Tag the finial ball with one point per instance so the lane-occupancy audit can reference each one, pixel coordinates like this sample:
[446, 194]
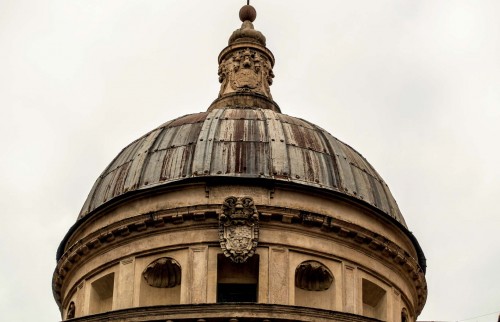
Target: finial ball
[247, 12]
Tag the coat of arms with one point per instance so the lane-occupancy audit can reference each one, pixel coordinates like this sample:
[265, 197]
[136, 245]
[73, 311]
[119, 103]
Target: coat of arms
[246, 71]
[238, 228]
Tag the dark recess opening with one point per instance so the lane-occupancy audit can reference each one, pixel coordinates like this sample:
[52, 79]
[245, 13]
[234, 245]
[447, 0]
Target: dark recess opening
[236, 293]
[237, 282]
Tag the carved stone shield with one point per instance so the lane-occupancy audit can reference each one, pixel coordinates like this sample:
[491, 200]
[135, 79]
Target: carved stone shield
[246, 80]
[247, 71]
[238, 228]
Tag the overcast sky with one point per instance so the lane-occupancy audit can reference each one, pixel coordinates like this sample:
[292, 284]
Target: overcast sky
[412, 85]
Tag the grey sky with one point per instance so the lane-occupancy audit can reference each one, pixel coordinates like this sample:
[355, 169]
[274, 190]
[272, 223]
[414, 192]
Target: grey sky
[412, 85]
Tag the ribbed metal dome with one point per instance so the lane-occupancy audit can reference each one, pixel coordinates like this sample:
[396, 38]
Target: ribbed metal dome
[167, 199]
[244, 143]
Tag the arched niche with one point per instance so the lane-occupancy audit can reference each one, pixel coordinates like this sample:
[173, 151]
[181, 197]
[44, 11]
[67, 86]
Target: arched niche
[71, 310]
[160, 283]
[314, 285]
[404, 315]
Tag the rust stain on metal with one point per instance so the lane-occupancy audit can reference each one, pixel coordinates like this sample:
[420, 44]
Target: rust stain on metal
[247, 142]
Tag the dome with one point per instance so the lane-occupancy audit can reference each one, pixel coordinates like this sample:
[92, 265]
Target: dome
[247, 142]
[240, 213]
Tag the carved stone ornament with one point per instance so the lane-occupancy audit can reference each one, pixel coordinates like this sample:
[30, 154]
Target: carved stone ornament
[164, 272]
[313, 276]
[246, 70]
[238, 228]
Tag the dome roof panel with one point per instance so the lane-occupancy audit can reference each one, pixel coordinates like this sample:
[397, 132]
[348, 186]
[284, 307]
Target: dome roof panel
[236, 142]
[296, 121]
[252, 130]
[303, 137]
[311, 167]
[240, 159]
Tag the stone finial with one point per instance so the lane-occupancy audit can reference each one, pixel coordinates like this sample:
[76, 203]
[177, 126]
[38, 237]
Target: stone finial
[247, 33]
[246, 67]
[246, 64]
[248, 12]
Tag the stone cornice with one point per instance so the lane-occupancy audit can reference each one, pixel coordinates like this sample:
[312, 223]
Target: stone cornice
[157, 221]
[241, 312]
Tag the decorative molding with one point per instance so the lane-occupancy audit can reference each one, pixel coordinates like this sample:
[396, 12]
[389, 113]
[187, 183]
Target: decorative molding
[127, 261]
[238, 228]
[216, 312]
[144, 224]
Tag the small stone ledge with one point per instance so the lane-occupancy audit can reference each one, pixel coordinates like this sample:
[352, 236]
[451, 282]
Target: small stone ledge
[225, 312]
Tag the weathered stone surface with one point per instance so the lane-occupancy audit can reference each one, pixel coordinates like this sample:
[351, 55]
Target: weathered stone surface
[198, 265]
[278, 275]
[312, 230]
[223, 312]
